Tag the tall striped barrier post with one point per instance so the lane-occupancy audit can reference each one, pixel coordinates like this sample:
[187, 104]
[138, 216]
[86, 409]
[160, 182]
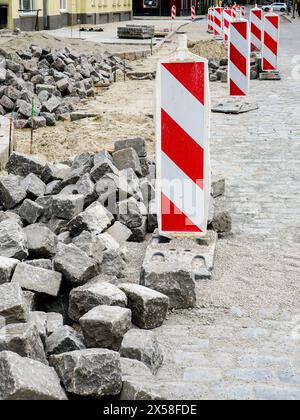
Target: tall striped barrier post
[239, 58]
[182, 138]
[256, 28]
[218, 24]
[227, 18]
[210, 27]
[270, 42]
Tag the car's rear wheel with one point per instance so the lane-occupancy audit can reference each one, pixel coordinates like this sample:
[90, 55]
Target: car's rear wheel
[282, 9]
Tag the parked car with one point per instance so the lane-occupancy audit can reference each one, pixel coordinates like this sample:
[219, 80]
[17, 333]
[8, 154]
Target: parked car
[277, 7]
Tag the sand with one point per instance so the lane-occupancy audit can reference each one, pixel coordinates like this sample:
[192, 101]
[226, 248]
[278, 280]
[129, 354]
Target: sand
[124, 110]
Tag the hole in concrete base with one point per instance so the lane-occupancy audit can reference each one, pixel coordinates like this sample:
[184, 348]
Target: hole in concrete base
[158, 257]
[163, 240]
[198, 263]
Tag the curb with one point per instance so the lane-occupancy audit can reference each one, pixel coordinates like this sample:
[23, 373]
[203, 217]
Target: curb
[287, 18]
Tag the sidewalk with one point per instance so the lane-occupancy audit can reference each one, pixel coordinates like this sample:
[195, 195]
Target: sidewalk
[109, 34]
[242, 342]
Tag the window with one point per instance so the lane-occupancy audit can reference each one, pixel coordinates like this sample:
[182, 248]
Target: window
[27, 6]
[63, 5]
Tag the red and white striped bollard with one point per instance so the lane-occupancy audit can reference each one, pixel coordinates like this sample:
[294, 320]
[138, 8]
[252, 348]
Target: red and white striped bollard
[210, 27]
[182, 134]
[239, 58]
[173, 12]
[270, 42]
[218, 26]
[256, 28]
[227, 18]
[193, 13]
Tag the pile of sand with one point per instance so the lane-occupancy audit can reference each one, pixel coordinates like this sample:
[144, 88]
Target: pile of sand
[208, 49]
[44, 40]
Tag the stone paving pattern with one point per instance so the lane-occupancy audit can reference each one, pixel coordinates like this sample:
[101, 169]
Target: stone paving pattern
[243, 340]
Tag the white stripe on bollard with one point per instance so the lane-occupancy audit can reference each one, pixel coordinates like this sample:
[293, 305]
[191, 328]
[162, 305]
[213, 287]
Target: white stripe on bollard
[182, 133]
[239, 58]
[270, 42]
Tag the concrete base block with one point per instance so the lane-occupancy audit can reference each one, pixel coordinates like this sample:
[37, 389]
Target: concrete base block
[234, 107]
[271, 75]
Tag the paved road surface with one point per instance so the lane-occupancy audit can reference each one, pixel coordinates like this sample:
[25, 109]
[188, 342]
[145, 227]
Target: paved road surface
[243, 340]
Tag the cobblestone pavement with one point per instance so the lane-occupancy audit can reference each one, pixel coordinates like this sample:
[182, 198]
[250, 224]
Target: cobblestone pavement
[243, 339]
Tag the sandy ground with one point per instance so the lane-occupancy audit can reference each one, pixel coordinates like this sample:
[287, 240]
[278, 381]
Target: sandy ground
[124, 110]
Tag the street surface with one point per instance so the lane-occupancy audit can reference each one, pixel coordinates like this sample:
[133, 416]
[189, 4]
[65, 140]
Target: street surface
[243, 340]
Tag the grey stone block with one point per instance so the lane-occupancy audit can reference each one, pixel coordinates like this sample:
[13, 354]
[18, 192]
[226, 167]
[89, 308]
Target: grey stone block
[90, 373]
[140, 389]
[33, 186]
[104, 166]
[51, 105]
[135, 369]
[105, 326]
[24, 340]
[10, 216]
[222, 222]
[173, 280]
[11, 191]
[99, 157]
[91, 244]
[94, 219]
[86, 187]
[30, 299]
[113, 263]
[62, 340]
[7, 267]
[127, 158]
[138, 144]
[41, 263]
[39, 319]
[152, 222]
[139, 233]
[131, 213]
[217, 187]
[75, 265]
[37, 279]
[119, 232]
[67, 206]
[149, 308]
[26, 379]
[85, 298]
[54, 322]
[38, 122]
[30, 211]
[53, 188]
[13, 307]
[23, 165]
[41, 241]
[13, 243]
[143, 346]
[57, 225]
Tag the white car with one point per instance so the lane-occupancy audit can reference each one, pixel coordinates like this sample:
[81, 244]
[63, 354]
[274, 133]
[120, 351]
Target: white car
[277, 7]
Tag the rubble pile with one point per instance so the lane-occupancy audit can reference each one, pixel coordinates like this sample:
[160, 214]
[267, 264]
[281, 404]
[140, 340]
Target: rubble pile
[218, 68]
[71, 323]
[54, 80]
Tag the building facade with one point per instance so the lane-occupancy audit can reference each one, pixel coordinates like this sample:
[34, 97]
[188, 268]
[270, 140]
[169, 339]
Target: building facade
[163, 7]
[29, 15]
